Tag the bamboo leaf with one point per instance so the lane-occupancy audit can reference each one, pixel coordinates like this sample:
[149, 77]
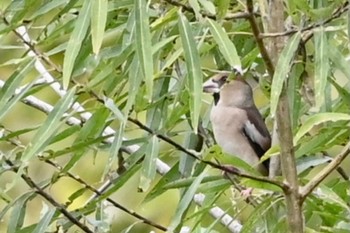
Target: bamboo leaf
[321, 66]
[48, 129]
[226, 47]
[144, 45]
[338, 60]
[148, 171]
[91, 129]
[99, 9]
[318, 119]
[185, 202]
[282, 70]
[8, 91]
[46, 216]
[208, 6]
[18, 212]
[194, 73]
[75, 42]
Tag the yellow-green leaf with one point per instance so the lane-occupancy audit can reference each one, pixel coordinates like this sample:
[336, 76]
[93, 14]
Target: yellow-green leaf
[318, 119]
[99, 9]
[282, 70]
[144, 45]
[194, 73]
[75, 42]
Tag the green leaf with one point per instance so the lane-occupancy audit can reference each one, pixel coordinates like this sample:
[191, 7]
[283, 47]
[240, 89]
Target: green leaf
[225, 158]
[75, 42]
[321, 66]
[149, 168]
[307, 162]
[338, 59]
[115, 147]
[328, 195]
[45, 8]
[99, 9]
[18, 212]
[344, 92]
[46, 216]
[144, 45]
[48, 129]
[8, 91]
[91, 129]
[226, 47]
[208, 6]
[185, 202]
[282, 70]
[318, 119]
[171, 176]
[194, 73]
[223, 6]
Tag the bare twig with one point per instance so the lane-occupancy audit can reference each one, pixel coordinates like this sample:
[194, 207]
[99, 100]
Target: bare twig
[336, 14]
[50, 199]
[315, 181]
[98, 193]
[238, 15]
[256, 32]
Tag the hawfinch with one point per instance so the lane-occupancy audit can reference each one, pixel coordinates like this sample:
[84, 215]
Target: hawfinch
[238, 127]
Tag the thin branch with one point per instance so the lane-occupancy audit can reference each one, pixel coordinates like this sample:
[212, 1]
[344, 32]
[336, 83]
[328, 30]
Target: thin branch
[238, 15]
[47, 197]
[210, 163]
[256, 32]
[98, 193]
[336, 14]
[315, 181]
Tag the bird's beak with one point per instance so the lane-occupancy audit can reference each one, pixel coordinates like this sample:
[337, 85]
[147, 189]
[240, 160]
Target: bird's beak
[211, 87]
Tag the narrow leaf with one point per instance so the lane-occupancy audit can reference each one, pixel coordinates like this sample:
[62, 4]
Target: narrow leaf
[282, 70]
[75, 42]
[49, 127]
[144, 45]
[185, 202]
[91, 129]
[18, 212]
[226, 47]
[47, 214]
[99, 9]
[321, 66]
[318, 119]
[9, 89]
[148, 171]
[194, 73]
[338, 60]
[208, 6]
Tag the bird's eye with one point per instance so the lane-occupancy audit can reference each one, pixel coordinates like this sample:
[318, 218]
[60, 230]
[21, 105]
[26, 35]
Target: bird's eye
[224, 78]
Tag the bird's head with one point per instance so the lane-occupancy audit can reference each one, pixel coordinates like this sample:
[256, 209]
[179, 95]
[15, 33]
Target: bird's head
[235, 92]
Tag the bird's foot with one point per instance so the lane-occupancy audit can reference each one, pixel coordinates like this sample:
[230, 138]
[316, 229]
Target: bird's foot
[246, 193]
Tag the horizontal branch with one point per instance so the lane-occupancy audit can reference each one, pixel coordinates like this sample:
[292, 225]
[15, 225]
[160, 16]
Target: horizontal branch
[237, 15]
[210, 163]
[336, 14]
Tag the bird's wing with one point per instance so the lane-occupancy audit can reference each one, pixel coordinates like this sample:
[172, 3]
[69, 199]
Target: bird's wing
[256, 132]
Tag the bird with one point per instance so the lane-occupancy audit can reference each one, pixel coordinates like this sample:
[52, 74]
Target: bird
[238, 127]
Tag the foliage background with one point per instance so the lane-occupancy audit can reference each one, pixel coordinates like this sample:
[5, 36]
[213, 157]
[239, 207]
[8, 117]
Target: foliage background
[136, 69]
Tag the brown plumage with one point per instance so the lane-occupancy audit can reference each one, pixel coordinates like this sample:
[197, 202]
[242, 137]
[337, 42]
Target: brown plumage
[238, 126]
